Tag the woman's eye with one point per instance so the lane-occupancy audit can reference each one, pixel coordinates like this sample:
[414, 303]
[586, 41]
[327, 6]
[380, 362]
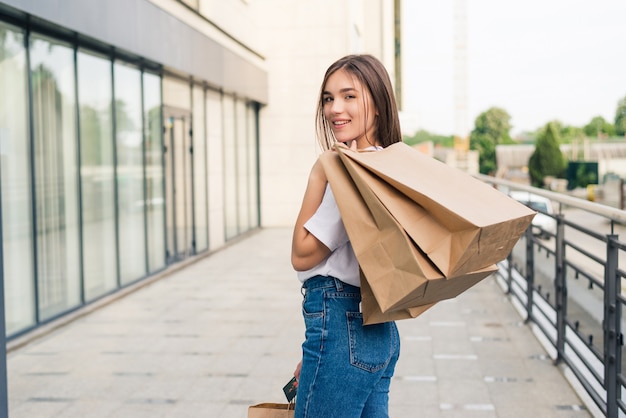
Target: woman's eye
[349, 97]
[327, 99]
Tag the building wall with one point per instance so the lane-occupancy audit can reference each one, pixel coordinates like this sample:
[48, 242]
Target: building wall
[136, 133]
[294, 42]
[299, 43]
[165, 32]
[610, 156]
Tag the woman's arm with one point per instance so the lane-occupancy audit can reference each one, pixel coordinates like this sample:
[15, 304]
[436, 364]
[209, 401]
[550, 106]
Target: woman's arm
[306, 250]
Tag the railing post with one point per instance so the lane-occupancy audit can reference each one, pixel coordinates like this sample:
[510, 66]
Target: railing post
[509, 272]
[560, 287]
[530, 272]
[612, 326]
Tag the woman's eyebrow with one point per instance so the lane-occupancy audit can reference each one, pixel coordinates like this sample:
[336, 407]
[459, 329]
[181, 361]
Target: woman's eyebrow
[343, 90]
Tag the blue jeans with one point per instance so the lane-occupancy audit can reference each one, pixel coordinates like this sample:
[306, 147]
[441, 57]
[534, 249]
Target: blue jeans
[346, 367]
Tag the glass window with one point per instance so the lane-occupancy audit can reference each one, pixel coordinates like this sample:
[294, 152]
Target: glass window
[230, 168]
[155, 201]
[56, 176]
[253, 172]
[243, 149]
[97, 175]
[130, 184]
[199, 171]
[180, 173]
[19, 289]
[214, 160]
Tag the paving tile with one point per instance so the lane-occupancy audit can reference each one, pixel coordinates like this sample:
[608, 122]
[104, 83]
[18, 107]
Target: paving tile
[226, 332]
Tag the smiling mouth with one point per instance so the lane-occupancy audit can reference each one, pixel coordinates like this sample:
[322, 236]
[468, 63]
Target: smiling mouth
[341, 123]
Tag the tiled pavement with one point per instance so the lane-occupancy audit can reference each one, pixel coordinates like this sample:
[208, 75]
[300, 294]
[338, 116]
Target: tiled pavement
[225, 332]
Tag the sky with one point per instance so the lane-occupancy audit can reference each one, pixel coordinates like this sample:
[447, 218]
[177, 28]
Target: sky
[539, 60]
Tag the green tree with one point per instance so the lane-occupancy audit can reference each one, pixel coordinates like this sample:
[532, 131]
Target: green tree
[491, 128]
[620, 118]
[598, 127]
[91, 136]
[123, 121]
[571, 134]
[547, 159]
[567, 133]
[425, 136]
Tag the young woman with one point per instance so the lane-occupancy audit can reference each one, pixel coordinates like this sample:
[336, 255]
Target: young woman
[346, 367]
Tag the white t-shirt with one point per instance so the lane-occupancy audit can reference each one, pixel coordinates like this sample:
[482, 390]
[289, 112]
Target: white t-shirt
[326, 225]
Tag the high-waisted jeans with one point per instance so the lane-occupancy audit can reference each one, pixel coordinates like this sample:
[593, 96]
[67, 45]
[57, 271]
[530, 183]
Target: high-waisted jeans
[346, 366]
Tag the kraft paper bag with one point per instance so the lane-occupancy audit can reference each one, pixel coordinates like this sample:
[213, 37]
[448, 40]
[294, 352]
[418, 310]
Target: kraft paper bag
[372, 313]
[459, 222]
[271, 410]
[399, 280]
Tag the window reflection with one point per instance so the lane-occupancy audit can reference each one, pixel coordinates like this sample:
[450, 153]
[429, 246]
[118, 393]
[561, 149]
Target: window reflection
[19, 291]
[56, 176]
[107, 170]
[130, 190]
[97, 181]
[155, 200]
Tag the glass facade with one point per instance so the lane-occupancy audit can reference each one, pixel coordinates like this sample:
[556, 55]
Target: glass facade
[56, 175]
[97, 174]
[231, 223]
[105, 163]
[201, 232]
[241, 143]
[252, 164]
[129, 173]
[17, 221]
[154, 173]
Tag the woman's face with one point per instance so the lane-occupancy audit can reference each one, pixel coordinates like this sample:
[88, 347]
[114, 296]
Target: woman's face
[349, 109]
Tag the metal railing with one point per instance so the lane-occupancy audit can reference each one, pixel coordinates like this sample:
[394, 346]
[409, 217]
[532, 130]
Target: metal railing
[568, 286]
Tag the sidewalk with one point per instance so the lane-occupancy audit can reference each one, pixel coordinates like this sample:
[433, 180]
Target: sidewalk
[225, 333]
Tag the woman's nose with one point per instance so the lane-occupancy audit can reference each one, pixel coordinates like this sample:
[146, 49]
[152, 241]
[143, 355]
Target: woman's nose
[337, 106]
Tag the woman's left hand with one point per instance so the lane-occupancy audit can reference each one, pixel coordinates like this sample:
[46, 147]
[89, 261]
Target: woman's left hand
[296, 373]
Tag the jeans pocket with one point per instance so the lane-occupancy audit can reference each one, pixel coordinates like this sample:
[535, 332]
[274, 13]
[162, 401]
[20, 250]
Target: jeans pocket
[313, 304]
[371, 345]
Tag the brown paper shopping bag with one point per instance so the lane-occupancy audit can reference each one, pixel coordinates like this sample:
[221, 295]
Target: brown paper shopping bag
[271, 410]
[459, 222]
[372, 313]
[397, 275]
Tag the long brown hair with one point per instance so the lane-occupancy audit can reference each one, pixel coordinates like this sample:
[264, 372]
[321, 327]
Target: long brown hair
[372, 75]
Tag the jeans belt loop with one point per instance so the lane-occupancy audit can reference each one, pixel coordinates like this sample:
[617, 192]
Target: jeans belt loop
[339, 285]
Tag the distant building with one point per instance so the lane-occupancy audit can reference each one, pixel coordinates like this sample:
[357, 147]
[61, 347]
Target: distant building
[512, 160]
[463, 160]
